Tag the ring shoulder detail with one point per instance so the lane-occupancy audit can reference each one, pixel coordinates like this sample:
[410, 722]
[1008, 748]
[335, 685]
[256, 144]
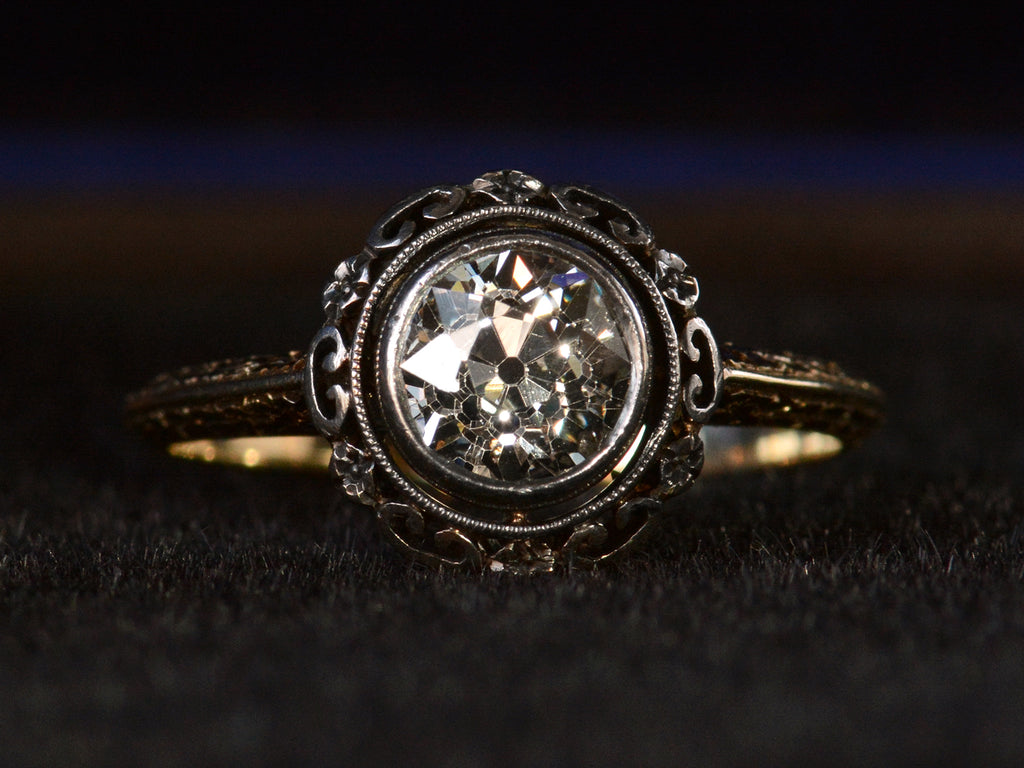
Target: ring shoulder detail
[253, 396]
[325, 380]
[791, 391]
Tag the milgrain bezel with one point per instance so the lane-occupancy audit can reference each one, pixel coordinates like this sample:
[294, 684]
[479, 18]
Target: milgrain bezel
[501, 496]
[503, 509]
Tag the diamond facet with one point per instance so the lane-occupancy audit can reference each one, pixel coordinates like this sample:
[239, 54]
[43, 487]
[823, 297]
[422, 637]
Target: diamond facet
[517, 363]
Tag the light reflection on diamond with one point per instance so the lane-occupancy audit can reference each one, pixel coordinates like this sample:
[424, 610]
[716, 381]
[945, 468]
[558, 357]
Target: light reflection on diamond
[515, 366]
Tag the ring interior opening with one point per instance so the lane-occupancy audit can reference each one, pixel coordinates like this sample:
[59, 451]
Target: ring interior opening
[734, 449]
[726, 449]
[305, 453]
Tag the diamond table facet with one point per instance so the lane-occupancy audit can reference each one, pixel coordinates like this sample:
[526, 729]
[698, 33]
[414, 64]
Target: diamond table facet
[516, 364]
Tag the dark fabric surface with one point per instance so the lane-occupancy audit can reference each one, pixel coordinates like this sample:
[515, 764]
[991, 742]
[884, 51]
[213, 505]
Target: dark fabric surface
[866, 610]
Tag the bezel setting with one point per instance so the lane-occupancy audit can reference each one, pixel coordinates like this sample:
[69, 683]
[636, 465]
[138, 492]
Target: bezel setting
[522, 499]
[445, 515]
[502, 494]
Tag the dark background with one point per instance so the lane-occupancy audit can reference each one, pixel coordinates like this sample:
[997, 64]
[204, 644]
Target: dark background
[718, 67]
[176, 183]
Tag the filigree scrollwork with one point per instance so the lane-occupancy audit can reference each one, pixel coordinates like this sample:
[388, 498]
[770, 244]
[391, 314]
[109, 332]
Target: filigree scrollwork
[397, 226]
[407, 528]
[606, 213]
[404, 524]
[457, 550]
[324, 377]
[594, 543]
[409, 217]
[636, 514]
[344, 296]
[704, 386]
[403, 520]
[522, 556]
[352, 470]
[680, 465]
[673, 279]
[586, 540]
[508, 187]
[452, 199]
[631, 522]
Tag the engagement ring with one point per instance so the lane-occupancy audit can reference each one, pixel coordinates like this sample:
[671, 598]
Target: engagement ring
[511, 376]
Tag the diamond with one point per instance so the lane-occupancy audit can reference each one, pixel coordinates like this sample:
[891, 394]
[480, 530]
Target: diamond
[517, 363]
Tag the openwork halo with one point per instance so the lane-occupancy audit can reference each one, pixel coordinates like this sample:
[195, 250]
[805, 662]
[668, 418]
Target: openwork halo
[513, 370]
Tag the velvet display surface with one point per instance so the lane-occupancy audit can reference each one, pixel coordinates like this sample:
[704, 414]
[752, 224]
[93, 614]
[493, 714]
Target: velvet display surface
[862, 611]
